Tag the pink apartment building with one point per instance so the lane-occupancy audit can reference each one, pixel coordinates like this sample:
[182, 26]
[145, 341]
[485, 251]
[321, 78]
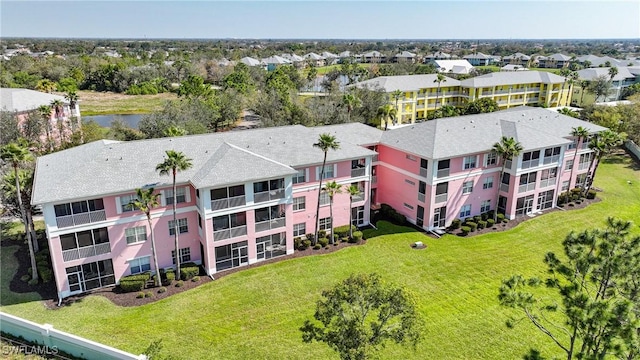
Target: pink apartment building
[249, 193]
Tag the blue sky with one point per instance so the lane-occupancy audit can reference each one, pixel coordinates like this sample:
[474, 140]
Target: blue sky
[515, 19]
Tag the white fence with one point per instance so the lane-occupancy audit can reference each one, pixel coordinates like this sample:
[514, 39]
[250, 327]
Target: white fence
[633, 148]
[54, 340]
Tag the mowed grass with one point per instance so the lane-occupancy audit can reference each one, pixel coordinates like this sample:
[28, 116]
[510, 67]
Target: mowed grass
[101, 103]
[256, 313]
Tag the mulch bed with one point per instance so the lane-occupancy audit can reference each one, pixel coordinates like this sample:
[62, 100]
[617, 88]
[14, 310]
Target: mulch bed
[116, 296]
[16, 285]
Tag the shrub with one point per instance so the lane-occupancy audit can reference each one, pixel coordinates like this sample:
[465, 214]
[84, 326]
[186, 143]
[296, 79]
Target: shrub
[33, 282]
[484, 216]
[131, 285]
[144, 277]
[500, 217]
[179, 283]
[189, 270]
[345, 239]
[297, 241]
[342, 231]
[140, 295]
[591, 194]
[169, 277]
[482, 224]
[304, 245]
[464, 230]
[310, 237]
[148, 294]
[390, 214]
[490, 222]
[323, 242]
[25, 278]
[477, 218]
[46, 274]
[195, 278]
[317, 246]
[505, 221]
[322, 233]
[162, 290]
[471, 225]
[357, 236]
[455, 224]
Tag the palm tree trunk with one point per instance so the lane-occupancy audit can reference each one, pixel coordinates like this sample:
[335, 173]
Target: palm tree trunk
[324, 161]
[495, 211]
[582, 96]
[593, 174]
[350, 216]
[331, 217]
[175, 226]
[32, 229]
[34, 268]
[153, 250]
[573, 167]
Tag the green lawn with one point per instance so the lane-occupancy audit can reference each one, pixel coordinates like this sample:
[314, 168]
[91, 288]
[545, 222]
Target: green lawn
[101, 103]
[256, 313]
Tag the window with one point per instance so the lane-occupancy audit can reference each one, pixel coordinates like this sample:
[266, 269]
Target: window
[565, 185]
[357, 215]
[485, 206]
[551, 155]
[581, 180]
[182, 226]
[126, 202]
[85, 244]
[423, 167]
[469, 162]
[411, 157]
[185, 255]
[299, 203]
[299, 229]
[548, 177]
[325, 223]
[328, 171]
[136, 234]
[408, 206]
[467, 187]
[573, 145]
[491, 159]
[271, 246]
[527, 182]
[545, 200]
[443, 168]
[232, 255]
[181, 195]
[300, 177]
[488, 183]
[324, 198]
[465, 211]
[568, 165]
[530, 159]
[585, 160]
[409, 182]
[139, 265]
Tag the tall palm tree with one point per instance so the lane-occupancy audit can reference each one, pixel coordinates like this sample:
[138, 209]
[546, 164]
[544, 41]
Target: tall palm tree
[146, 200]
[175, 161]
[572, 79]
[439, 79]
[45, 115]
[325, 143]
[613, 71]
[332, 188]
[72, 97]
[586, 64]
[386, 112]
[601, 144]
[351, 102]
[353, 190]
[396, 95]
[507, 149]
[584, 84]
[15, 154]
[565, 74]
[58, 108]
[580, 133]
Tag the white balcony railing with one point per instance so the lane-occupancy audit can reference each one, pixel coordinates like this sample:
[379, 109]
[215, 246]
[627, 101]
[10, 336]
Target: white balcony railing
[85, 252]
[229, 233]
[358, 172]
[424, 172]
[81, 218]
[504, 187]
[270, 224]
[226, 203]
[547, 182]
[526, 187]
[551, 159]
[358, 197]
[268, 195]
[530, 163]
[441, 198]
[443, 173]
[421, 197]
[583, 166]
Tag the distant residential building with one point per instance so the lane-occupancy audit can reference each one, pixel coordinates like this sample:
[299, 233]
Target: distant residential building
[458, 67]
[512, 67]
[405, 57]
[606, 61]
[516, 59]
[555, 61]
[272, 62]
[438, 55]
[479, 59]
[249, 61]
[24, 103]
[625, 77]
[373, 57]
[315, 59]
[330, 58]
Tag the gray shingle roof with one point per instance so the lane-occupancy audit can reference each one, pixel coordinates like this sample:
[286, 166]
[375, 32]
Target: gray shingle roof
[592, 73]
[25, 99]
[110, 167]
[406, 82]
[479, 55]
[444, 138]
[512, 78]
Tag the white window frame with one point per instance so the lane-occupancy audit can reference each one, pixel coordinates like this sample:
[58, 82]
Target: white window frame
[488, 183]
[324, 223]
[181, 192]
[138, 263]
[301, 174]
[467, 187]
[185, 255]
[565, 186]
[299, 203]
[491, 159]
[183, 226]
[300, 229]
[485, 206]
[332, 167]
[465, 211]
[325, 200]
[125, 203]
[568, 165]
[468, 161]
[138, 234]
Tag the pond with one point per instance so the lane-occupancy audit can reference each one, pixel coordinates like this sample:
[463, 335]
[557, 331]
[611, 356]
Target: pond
[105, 120]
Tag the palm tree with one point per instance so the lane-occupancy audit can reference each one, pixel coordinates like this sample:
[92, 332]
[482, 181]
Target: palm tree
[439, 79]
[580, 133]
[353, 190]
[72, 97]
[58, 108]
[613, 71]
[332, 188]
[45, 114]
[325, 143]
[15, 154]
[586, 64]
[174, 131]
[507, 149]
[384, 113]
[584, 84]
[176, 161]
[146, 200]
[601, 145]
[396, 95]
[351, 102]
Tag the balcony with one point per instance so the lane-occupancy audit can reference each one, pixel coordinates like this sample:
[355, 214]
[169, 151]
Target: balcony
[533, 89]
[226, 203]
[268, 195]
[443, 172]
[358, 172]
[583, 166]
[547, 182]
[421, 197]
[358, 197]
[81, 218]
[504, 188]
[551, 159]
[374, 179]
[530, 163]
[535, 99]
[270, 224]
[526, 187]
[424, 172]
[229, 233]
[440, 198]
[85, 252]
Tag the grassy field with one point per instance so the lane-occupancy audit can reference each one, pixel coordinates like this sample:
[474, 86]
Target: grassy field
[256, 313]
[102, 103]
